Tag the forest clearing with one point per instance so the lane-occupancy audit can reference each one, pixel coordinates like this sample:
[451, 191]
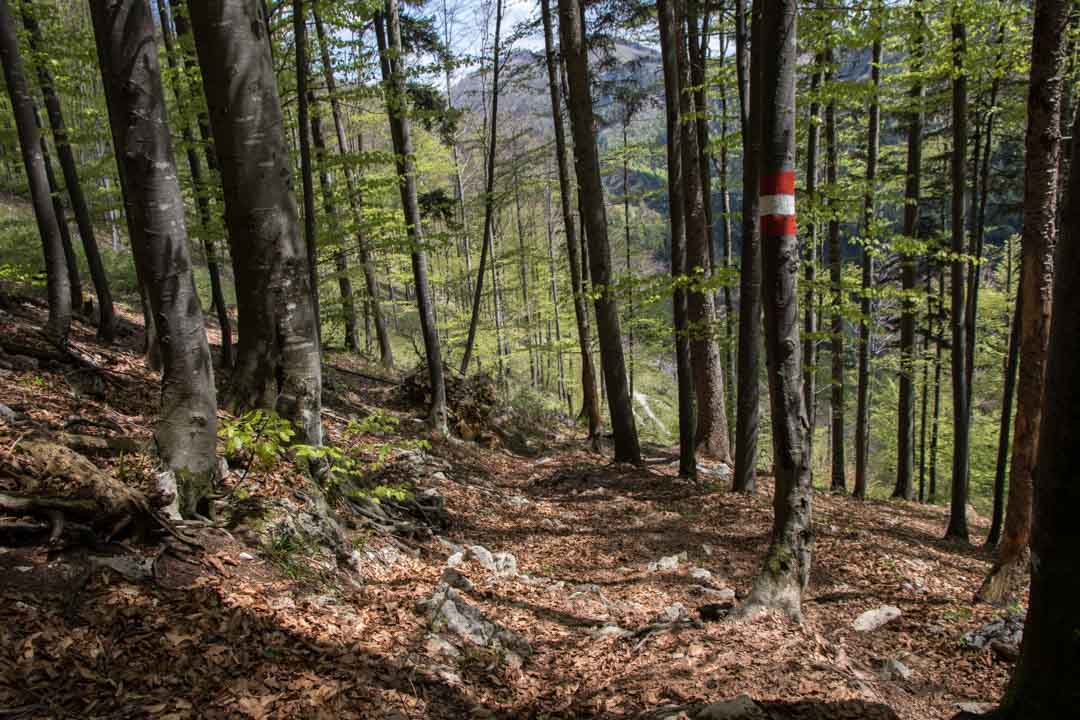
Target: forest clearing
[660, 359]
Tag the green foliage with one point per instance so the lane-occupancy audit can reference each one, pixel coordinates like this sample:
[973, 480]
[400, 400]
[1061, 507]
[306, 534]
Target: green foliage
[258, 437]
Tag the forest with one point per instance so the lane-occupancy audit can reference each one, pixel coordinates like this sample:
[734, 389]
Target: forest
[539, 358]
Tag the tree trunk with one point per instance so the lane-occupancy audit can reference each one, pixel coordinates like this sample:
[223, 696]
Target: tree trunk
[905, 421]
[668, 19]
[554, 289]
[809, 259]
[389, 40]
[749, 354]
[935, 423]
[838, 473]
[1012, 363]
[341, 263]
[489, 192]
[303, 123]
[373, 307]
[1043, 149]
[590, 401]
[587, 165]
[523, 269]
[22, 103]
[107, 314]
[862, 410]
[70, 260]
[712, 431]
[1042, 685]
[958, 528]
[186, 433]
[202, 200]
[726, 252]
[786, 570]
[923, 425]
[277, 360]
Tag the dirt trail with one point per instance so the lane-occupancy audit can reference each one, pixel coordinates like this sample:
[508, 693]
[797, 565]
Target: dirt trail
[612, 566]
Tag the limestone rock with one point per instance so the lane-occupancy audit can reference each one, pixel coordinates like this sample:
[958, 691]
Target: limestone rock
[739, 708]
[873, 619]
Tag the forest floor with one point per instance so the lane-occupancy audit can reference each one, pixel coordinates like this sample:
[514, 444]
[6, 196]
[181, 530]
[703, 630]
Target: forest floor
[602, 609]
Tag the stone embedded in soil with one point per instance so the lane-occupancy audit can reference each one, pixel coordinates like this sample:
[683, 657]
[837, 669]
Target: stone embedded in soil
[893, 669]
[716, 595]
[673, 613]
[873, 619]
[448, 610]
[610, 631]
[700, 574]
[667, 563]
[437, 645]
[455, 579]
[1008, 630]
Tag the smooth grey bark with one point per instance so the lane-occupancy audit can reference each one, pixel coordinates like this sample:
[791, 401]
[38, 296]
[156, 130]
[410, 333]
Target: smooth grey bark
[186, 431]
[106, 312]
[202, 199]
[70, 260]
[712, 431]
[277, 361]
[356, 200]
[935, 421]
[489, 192]
[341, 263]
[587, 165]
[58, 284]
[590, 403]
[388, 35]
[785, 571]
[1008, 393]
[303, 123]
[747, 400]
[668, 19]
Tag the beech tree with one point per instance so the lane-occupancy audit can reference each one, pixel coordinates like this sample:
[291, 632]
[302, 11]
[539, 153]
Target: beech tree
[747, 411]
[1041, 167]
[56, 272]
[587, 165]
[590, 403]
[786, 570]
[668, 21]
[838, 475]
[106, 312]
[388, 35]
[277, 358]
[186, 431]
[1042, 685]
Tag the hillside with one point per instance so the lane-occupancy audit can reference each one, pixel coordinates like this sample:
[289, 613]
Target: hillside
[555, 585]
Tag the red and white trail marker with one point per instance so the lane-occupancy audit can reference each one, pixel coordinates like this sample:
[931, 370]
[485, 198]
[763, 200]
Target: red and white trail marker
[777, 204]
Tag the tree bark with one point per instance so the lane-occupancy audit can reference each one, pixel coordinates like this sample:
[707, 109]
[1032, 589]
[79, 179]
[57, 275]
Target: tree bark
[58, 284]
[668, 19]
[957, 528]
[388, 34]
[106, 312]
[866, 307]
[356, 200]
[341, 263]
[70, 260]
[786, 570]
[905, 421]
[1041, 167]
[489, 192]
[277, 361]
[935, 423]
[712, 431]
[587, 165]
[202, 200]
[1012, 364]
[590, 401]
[838, 475]
[809, 258]
[186, 432]
[747, 411]
[303, 123]
[1041, 686]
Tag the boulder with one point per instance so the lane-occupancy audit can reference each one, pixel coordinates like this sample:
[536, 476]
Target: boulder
[448, 610]
[893, 669]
